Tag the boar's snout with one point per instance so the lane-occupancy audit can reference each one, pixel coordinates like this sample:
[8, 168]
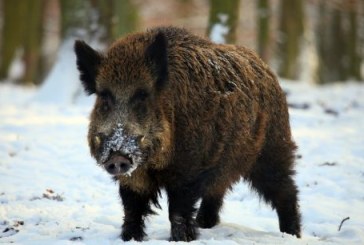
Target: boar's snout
[118, 165]
[120, 152]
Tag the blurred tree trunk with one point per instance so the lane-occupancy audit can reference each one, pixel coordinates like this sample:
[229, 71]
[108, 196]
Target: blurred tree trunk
[291, 29]
[22, 36]
[12, 33]
[51, 28]
[338, 41]
[102, 20]
[75, 19]
[1, 21]
[223, 20]
[353, 43]
[185, 7]
[97, 22]
[263, 13]
[33, 40]
[117, 17]
[126, 18]
[330, 44]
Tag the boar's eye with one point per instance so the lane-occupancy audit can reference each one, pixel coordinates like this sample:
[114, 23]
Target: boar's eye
[139, 96]
[138, 103]
[107, 101]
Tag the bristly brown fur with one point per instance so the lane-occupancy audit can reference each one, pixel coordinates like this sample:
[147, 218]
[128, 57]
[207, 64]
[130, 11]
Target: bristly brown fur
[209, 115]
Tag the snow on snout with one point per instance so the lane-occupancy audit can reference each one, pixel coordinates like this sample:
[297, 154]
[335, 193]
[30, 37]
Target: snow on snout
[127, 145]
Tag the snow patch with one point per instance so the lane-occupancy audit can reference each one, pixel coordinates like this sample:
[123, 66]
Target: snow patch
[220, 30]
[214, 65]
[62, 85]
[17, 66]
[44, 146]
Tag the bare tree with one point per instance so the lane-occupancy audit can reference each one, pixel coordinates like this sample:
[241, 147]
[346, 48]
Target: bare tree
[338, 41]
[97, 22]
[32, 42]
[126, 18]
[290, 33]
[116, 17]
[263, 14]
[223, 20]
[11, 35]
[21, 38]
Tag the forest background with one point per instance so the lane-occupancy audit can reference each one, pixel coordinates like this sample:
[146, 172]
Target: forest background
[318, 41]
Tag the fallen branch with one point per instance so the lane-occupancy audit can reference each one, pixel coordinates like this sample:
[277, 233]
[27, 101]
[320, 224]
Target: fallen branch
[342, 222]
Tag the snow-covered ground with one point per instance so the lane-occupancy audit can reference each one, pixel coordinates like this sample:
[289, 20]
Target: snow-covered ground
[52, 192]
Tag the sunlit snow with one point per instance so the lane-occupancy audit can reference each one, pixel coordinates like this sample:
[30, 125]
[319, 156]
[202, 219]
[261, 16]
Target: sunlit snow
[53, 192]
[220, 30]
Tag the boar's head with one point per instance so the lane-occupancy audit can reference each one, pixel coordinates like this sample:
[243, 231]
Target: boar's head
[128, 121]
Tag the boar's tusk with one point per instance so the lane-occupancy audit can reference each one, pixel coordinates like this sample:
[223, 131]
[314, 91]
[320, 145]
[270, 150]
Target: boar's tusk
[97, 140]
[142, 140]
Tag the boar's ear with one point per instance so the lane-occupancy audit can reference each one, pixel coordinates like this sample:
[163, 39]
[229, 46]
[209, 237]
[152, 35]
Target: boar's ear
[88, 61]
[157, 57]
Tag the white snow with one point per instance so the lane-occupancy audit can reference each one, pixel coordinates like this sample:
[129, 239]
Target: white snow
[53, 192]
[62, 85]
[17, 66]
[220, 29]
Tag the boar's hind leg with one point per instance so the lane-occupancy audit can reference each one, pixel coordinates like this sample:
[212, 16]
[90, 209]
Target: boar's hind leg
[272, 178]
[136, 207]
[181, 209]
[208, 214]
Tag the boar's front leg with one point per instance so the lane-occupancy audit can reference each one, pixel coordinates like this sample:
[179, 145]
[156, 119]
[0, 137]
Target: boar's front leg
[182, 202]
[136, 207]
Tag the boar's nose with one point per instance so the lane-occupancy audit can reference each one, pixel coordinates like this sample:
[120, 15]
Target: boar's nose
[117, 165]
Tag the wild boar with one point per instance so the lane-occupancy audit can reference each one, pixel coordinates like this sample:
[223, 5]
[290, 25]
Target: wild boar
[175, 111]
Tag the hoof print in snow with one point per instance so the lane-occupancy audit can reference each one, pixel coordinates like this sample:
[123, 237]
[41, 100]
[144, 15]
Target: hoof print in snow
[12, 154]
[76, 238]
[8, 231]
[302, 106]
[18, 223]
[4, 222]
[57, 197]
[82, 228]
[331, 112]
[330, 164]
[298, 156]
[49, 194]
[3, 199]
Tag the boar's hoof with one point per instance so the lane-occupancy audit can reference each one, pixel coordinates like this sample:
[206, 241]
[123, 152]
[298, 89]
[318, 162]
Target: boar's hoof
[117, 165]
[207, 221]
[183, 230]
[132, 231]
